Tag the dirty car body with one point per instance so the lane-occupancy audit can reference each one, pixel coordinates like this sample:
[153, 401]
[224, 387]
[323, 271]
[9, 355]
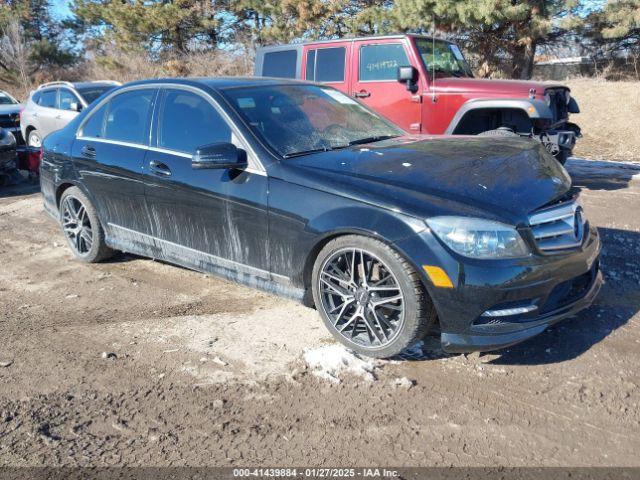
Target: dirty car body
[301, 179]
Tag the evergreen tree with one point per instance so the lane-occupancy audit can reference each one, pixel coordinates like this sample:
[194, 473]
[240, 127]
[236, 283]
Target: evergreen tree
[497, 30]
[158, 26]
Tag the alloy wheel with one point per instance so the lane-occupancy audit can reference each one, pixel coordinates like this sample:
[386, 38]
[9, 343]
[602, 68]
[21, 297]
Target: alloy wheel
[34, 140]
[362, 298]
[77, 225]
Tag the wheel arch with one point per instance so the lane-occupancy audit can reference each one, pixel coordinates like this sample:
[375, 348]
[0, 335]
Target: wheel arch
[530, 108]
[343, 232]
[64, 185]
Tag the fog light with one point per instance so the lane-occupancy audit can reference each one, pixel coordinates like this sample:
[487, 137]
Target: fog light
[507, 312]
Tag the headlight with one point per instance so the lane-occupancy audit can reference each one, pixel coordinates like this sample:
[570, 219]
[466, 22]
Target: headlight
[477, 238]
[547, 99]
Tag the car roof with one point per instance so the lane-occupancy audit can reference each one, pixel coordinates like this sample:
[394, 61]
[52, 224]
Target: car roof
[222, 83]
[94, 84]
[354, 39]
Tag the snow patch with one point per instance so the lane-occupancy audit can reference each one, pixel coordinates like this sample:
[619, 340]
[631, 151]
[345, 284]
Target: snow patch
[329, 362]
[588, 168]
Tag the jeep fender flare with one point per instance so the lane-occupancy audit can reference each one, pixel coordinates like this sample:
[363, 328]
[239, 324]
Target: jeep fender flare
[533, 108]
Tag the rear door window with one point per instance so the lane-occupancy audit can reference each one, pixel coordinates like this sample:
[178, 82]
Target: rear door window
[66, 99]
[188, 121]
[94, 126]
[281, 64]
[380, 62]
[326, 65]
[128, 116]
[48, 98]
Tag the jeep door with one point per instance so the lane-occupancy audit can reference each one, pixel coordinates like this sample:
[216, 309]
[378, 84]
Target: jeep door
[374, 81]
[212, 219]
[108, 153]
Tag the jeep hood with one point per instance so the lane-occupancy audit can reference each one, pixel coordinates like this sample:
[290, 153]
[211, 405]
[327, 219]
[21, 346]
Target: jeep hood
[493, 88]
[502, 179]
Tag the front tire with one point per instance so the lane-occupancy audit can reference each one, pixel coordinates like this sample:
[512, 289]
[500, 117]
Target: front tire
[369, 297]
[81, 227]
[499, 132]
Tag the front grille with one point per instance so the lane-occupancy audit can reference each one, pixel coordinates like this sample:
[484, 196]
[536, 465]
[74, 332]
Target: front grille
[558, 228]
[558, 105]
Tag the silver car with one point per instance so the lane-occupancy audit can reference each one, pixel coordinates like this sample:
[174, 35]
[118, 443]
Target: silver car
[55, 104]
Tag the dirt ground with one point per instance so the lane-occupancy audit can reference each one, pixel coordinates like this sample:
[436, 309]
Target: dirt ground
[609, 113]
[134, 362]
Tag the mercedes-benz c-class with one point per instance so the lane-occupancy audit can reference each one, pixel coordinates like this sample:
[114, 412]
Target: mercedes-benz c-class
[298, 189]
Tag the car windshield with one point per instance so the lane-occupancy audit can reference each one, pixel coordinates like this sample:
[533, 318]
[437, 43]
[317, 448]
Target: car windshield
[6, 99]
[91, 94]
[447, 61]
[300, 119]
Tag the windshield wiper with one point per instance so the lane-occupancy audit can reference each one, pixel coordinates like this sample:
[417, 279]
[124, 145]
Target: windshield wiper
[306, 152]
[378, 138]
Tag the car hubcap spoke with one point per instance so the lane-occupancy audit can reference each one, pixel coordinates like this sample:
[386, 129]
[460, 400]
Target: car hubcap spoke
[361, 297]
[76, 225]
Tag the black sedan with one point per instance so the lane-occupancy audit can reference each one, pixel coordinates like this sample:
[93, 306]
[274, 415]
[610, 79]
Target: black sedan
[298, 189]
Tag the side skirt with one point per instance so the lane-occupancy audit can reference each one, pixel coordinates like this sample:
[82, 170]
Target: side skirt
[131, 241]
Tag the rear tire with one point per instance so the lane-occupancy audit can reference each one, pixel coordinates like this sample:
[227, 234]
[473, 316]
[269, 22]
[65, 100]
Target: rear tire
[369, 297]
[34, 139]
[81, 227]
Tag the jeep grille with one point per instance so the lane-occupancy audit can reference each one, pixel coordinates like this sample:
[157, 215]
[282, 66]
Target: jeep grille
[558, 104]
[558, 228]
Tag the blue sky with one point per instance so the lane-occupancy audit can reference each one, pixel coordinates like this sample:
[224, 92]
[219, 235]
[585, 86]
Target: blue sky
[60, 8]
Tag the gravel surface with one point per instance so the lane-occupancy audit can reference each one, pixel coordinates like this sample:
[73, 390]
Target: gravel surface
[134, 362]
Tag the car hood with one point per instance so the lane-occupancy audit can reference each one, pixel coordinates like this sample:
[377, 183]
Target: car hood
[503, 179]
[8, 109]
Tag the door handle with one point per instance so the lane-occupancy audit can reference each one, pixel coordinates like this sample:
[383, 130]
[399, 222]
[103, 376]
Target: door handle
[160, 168]
[88, 151]
[362, 94]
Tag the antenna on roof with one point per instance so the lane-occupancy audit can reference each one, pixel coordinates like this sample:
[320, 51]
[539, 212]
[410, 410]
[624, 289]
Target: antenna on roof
[433, 60]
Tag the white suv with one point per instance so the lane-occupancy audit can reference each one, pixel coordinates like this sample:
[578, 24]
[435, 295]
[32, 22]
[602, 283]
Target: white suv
[55, 104]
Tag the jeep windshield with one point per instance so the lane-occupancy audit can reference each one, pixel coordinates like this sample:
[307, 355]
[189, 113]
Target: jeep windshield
[442, 58]
[302, 119]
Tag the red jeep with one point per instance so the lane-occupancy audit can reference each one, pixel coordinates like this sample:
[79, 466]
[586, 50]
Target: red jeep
[425, 85]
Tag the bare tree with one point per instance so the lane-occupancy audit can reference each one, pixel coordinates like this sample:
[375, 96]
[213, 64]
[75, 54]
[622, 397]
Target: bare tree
[14, 55]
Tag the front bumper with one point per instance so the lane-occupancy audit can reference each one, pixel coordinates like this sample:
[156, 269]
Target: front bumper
[17, 133]
[552, 286]
[556, 141]
[518, 332]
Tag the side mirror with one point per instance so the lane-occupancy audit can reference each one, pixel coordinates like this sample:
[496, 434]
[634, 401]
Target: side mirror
[408, 75]
[219, 155]
[75, 107]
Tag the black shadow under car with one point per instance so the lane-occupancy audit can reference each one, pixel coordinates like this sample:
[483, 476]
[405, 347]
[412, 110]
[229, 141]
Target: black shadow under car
[298, 189]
